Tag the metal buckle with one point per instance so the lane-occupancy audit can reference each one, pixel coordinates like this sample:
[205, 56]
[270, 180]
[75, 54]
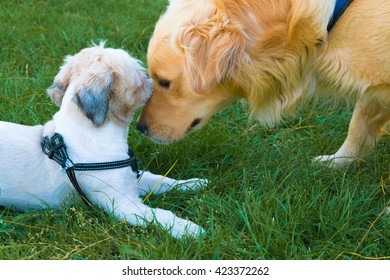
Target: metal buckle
[68, 164]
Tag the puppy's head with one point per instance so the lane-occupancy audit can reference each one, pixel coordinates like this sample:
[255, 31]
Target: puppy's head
[105, 84]
[193, 54]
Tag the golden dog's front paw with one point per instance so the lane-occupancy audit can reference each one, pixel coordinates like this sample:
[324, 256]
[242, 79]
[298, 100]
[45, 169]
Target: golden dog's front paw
[334, 161]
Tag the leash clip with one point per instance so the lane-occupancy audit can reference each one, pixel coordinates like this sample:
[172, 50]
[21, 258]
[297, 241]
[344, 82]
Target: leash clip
[51, 146]
[68, 164]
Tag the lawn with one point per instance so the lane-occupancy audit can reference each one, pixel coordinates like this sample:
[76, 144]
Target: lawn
[266, 199]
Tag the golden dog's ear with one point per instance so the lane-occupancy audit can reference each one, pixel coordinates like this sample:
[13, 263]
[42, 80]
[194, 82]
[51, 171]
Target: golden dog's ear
[213, 52]
[61, 82]
[92, 95]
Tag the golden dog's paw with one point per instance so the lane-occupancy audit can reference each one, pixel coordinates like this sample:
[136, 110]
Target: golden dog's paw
[334, 161]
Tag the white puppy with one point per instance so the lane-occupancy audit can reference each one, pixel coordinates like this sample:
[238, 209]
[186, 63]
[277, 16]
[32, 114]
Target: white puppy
[98, 91]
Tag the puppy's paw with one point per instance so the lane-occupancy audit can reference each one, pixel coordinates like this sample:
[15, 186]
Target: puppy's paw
[182, 228]
[334, 161]
[192, 184]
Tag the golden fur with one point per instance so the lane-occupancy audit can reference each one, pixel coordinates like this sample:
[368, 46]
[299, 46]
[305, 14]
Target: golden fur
[274, 53]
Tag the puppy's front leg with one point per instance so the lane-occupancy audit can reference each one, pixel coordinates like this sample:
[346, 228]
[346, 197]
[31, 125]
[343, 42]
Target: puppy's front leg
[160, 184]
[138, 214]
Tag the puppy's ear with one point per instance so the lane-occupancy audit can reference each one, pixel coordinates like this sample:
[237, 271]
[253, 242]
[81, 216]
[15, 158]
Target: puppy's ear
[213, 52]
[56, 92]
[93, 94]
[61, 82]
[146, 88]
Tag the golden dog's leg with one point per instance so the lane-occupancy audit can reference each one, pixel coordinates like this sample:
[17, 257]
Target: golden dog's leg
[365, 128]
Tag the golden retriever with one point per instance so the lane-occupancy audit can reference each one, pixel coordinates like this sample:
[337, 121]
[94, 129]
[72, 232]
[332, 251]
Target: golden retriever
[205, 54]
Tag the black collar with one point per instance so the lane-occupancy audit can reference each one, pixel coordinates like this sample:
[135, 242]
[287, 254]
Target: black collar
[55, 149]
[341, 6]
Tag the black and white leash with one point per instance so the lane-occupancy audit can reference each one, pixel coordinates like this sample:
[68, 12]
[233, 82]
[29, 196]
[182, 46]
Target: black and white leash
[56, 150]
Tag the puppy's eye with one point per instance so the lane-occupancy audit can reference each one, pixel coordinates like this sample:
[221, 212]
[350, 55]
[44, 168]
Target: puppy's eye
[164, 83]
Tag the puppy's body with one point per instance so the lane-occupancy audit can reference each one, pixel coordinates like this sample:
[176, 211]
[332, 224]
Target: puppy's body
[98, 90]
[274, 54]
[22, 162]
[29, 179]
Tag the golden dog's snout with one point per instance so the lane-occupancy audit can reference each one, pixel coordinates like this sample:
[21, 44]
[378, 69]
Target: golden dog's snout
[142, 127]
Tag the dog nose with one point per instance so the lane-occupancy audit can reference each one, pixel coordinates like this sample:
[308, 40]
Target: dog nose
[142, 127]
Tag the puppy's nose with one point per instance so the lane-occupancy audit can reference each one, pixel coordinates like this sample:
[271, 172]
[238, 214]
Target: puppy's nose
[142, 127]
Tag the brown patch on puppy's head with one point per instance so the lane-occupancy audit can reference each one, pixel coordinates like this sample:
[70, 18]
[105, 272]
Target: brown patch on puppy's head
[105, 84]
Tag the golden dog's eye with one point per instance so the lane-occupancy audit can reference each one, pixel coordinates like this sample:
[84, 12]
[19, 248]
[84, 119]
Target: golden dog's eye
[164, 83]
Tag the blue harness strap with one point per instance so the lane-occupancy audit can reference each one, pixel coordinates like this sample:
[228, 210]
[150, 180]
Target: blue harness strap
[341, 6]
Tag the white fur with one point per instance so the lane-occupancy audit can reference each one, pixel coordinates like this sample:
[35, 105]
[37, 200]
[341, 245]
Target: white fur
[30, 180]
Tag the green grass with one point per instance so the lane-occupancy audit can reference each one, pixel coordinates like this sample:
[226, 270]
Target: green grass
[266, 199]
